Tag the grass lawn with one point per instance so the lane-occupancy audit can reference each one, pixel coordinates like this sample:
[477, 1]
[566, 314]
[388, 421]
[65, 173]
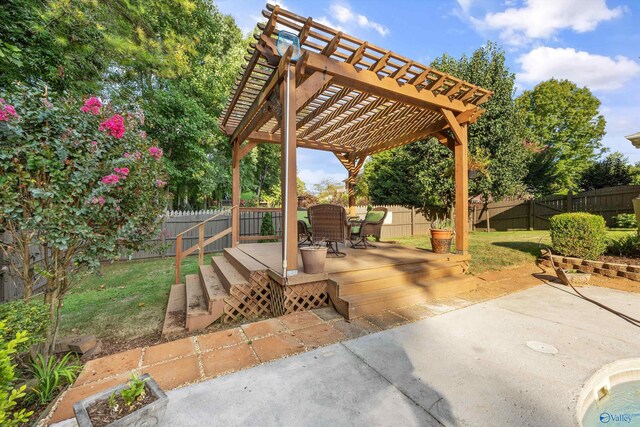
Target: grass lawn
[500, 249]
[125, 300]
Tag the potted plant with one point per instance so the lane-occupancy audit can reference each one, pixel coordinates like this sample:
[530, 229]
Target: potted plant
[138, 402]
[314, 257]
[441, 235]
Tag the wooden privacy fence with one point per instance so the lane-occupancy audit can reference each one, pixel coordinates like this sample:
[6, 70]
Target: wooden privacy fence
[534, 214]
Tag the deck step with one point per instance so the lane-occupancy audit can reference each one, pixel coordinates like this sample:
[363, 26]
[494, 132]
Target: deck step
[174, 317]
[227, 273]
[213, 290]
[198, 316]
[244, 263]
[408, 274]
[400, 296]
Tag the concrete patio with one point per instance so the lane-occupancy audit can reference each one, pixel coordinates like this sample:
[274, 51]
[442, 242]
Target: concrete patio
[469, 366]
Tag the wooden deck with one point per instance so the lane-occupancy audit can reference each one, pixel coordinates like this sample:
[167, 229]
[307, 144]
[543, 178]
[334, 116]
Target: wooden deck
[247, 283]
[371, 280]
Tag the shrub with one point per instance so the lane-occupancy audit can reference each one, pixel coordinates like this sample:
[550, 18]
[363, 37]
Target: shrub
[51, 375]
[9, 396]
[266, 228]
[626, 246]
[31, 317]
[624, 221]
[578, 234]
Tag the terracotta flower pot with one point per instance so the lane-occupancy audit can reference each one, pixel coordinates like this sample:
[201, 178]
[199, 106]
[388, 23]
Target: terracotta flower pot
[313, 259]
[441, 240]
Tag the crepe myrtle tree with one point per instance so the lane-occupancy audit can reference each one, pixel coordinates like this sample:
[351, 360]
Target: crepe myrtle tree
[78, 182]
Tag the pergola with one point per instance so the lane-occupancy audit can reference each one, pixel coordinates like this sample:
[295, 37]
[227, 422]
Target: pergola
[346, 96]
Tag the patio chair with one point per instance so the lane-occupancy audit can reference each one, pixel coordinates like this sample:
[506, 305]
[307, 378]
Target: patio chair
[329, 224]
[371, 225]
[304, 228]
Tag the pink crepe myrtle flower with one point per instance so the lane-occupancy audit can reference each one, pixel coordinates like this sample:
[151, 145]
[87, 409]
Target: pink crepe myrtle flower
[98, 200]
[115, 126]
[160, 183]
[123, 172]
[94, 143]
[135, 156]
[7, 111]
[110, 179]
[155, 152]
[92, 106]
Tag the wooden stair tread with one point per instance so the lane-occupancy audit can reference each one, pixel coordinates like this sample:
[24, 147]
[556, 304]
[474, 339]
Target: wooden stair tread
[241, 259]
[227, 273]
[387, 294]
[174, 317]
[196, 304]
[211, 284]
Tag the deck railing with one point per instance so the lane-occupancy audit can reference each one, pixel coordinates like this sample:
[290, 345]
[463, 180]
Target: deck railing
[202, 243]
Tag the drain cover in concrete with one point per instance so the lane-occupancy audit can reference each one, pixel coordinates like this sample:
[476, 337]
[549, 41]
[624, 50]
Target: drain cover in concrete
[542, 347]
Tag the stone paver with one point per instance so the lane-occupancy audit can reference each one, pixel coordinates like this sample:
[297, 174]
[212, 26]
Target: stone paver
[107, 366]
[277, 346]
[175, 373]
[319, 335]
[414, 312]
[220, 339]
[263, 328]
[386, 319]
[168, 350]
[228, 359]
[354, 329]
[300, 320]
[327, 313]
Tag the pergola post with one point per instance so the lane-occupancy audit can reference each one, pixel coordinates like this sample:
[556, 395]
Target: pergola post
[235, 194]
[288, 167]
[461, 155]
[353, 165]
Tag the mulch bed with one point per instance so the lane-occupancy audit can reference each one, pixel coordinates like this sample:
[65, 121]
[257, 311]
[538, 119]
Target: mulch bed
[619, 259]
[101, 414]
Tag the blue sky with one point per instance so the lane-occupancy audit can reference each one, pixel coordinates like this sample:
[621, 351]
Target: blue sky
[595, 43]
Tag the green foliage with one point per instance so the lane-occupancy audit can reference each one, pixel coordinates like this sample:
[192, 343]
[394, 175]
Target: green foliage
[624, 221]
[563, 122]
[85, 184]
[51, 375]
[442, 223]
[134, 391]
[612, 171]
[267, 170]
[421, 174]
[266, 227]
[10, 396]
[624, 246]
[31, 317]
[578, 234]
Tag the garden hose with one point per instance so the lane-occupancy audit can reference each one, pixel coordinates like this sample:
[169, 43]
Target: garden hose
[623, 316]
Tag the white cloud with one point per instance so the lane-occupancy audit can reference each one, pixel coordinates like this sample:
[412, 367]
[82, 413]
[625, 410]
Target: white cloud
[316, 176]
[343, 13]
[597, 72]
[542, 19]
[465, 5]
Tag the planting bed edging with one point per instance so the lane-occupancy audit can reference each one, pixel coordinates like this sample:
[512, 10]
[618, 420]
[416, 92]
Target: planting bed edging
[607, 269]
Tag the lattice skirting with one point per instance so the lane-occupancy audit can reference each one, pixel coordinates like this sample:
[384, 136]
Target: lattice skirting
[302, 297]
[249, 301]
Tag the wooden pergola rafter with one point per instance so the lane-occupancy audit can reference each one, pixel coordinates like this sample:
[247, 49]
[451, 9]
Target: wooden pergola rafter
[347, 96]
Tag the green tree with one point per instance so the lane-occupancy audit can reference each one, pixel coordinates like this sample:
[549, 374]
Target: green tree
[612, 171]
[421, 174]
[564, 119]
